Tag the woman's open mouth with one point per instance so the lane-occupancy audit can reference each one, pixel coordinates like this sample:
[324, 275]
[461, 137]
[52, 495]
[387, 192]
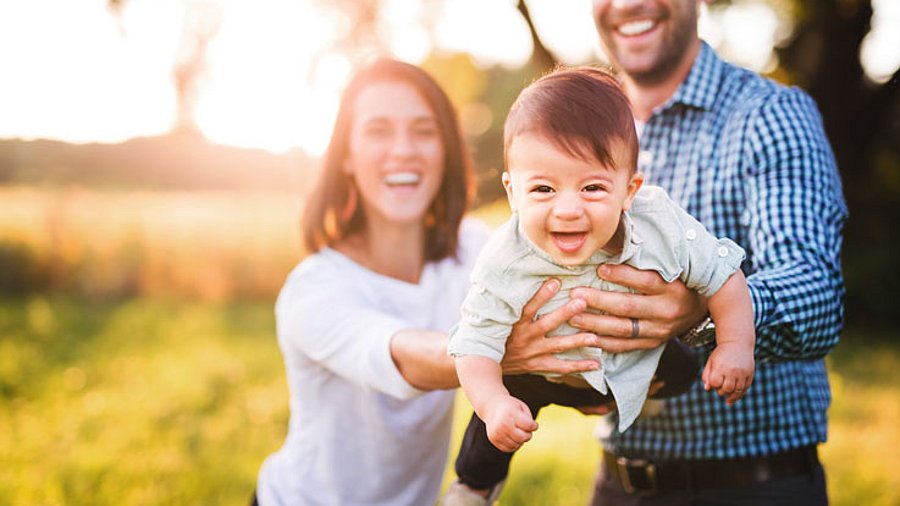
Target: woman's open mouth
[403, 178]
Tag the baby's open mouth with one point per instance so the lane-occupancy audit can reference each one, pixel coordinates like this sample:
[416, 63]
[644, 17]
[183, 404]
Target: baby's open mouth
[569, 242]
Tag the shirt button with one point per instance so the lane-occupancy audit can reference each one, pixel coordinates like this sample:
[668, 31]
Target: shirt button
[723, 251]
[690, 235]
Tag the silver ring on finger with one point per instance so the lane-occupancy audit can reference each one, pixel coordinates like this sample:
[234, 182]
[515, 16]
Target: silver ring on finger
[635, 328]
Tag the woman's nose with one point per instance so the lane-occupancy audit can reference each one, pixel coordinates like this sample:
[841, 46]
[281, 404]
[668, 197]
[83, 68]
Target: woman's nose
[403, 144]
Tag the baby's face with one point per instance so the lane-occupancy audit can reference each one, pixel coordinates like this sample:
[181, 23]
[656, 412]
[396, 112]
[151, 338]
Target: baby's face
[568, 207]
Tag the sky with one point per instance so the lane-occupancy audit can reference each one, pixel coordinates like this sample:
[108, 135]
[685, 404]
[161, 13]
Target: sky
[75, 71]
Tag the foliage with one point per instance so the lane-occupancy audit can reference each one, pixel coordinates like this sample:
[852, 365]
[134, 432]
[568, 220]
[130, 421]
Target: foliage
[101, 244]
[148, 401]
[138, 402]
[171, 162]
[23, 270]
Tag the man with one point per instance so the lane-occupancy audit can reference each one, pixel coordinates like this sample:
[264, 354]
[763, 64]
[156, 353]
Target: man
[750, 160]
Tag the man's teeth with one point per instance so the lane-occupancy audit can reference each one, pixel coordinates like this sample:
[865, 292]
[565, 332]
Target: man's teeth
[636, 27]
[402, 178]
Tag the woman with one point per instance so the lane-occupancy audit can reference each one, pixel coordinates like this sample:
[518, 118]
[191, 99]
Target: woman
[362, 322]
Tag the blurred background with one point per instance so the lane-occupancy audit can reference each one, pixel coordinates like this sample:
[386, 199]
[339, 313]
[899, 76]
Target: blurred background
[154, 157]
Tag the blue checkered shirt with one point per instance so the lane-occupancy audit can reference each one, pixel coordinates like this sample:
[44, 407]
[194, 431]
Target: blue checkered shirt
[750, 160]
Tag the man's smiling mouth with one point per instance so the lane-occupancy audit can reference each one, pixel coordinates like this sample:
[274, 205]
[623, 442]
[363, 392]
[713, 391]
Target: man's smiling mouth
[638, 27]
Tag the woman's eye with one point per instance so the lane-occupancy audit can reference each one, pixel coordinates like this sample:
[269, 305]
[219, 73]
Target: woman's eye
[377, 131]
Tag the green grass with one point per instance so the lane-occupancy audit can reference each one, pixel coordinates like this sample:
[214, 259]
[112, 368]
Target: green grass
[163, 402]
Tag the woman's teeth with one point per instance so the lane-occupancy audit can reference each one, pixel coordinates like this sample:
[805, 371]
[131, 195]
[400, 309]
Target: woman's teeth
[636, 27]
[401, 178]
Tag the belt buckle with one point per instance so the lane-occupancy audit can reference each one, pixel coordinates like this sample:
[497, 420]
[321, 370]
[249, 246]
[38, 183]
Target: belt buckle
[648, 470]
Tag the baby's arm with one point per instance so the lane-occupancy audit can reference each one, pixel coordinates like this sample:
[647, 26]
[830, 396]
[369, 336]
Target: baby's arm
[730, 367]
[509, 422]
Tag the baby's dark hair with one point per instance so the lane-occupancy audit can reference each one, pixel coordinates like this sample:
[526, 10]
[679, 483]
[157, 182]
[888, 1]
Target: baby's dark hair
[582, 111]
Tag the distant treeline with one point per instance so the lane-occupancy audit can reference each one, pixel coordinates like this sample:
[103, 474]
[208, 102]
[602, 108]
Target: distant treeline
[182, 162]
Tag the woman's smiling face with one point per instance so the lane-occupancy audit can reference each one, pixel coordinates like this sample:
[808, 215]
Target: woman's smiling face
[396, 154]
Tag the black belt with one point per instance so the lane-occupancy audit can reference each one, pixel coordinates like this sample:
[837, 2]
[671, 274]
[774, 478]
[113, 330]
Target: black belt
[647, 477]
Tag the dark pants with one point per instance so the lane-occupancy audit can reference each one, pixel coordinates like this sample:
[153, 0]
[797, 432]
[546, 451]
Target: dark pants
[481, 465]
[803, 490]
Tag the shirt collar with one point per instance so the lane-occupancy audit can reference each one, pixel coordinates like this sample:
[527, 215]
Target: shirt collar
[699, 89]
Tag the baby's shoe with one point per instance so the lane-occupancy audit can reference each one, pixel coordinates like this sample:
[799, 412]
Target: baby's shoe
[459, 494]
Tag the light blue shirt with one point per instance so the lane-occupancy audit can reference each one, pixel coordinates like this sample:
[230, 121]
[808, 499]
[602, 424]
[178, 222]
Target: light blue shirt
[658, 235]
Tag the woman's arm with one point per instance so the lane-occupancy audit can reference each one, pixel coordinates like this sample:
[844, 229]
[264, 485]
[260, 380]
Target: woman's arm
[421, 356]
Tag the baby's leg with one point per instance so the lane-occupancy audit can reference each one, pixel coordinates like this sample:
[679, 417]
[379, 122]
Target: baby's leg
[480, 465]
[678, 368]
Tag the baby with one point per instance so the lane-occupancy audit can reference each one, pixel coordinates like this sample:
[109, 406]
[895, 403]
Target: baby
[578, 201]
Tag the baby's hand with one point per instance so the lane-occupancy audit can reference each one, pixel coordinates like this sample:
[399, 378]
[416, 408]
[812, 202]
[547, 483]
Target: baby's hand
[729, 371]
[509, 423]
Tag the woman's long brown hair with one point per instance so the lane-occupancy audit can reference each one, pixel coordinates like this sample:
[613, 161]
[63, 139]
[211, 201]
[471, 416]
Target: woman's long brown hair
[323, 223]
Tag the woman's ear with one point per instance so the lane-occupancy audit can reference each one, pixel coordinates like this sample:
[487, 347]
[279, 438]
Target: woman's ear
[634, 184]
[507, 185]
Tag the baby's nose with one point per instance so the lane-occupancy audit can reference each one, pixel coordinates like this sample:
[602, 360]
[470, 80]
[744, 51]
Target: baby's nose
[568, 207]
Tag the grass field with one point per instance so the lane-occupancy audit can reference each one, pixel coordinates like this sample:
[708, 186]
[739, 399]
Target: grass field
[144, 381]
[147, 401]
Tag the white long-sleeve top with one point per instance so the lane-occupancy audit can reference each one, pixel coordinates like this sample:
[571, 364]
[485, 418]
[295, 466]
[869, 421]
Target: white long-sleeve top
[359, 434]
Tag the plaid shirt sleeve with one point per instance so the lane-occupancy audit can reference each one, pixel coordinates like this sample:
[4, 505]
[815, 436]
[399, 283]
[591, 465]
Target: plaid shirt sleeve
[795, 213]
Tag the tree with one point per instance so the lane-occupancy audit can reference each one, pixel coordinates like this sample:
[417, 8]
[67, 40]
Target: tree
[201, 23]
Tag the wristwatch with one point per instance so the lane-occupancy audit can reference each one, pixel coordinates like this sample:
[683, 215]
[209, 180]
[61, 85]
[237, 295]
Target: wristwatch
[703, 333]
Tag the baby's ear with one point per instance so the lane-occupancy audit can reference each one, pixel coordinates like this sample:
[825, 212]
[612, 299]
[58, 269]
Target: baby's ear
[507, 185]
[634, 184]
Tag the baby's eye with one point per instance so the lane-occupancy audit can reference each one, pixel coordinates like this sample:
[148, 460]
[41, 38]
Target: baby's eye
[542, 188]
[593, 188]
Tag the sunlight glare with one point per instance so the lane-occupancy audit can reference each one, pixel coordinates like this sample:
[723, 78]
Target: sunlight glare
[70, 74]
[408, 39]
[491, 30]
[259, 93]
[881, 48]
[75, 71]
[567, 29]
[744, 33]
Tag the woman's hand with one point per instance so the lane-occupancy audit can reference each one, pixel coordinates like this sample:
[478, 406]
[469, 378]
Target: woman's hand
[658, 311]
[529, 350]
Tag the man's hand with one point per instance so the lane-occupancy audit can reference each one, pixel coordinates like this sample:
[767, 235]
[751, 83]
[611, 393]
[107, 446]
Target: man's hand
[528, 348]
[661, 310]
[509, 423]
